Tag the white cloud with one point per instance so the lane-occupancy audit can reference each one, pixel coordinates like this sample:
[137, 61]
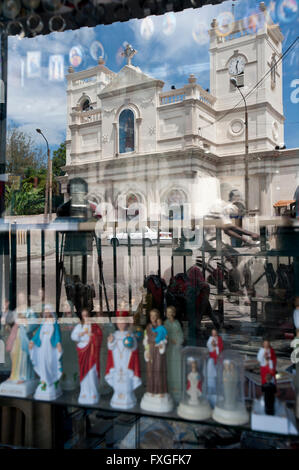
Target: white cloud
[39, 103]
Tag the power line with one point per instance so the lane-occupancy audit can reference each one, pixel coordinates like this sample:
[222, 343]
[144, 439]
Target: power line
[256, 85]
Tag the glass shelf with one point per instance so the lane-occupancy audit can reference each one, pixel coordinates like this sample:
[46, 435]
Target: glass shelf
[70, 399]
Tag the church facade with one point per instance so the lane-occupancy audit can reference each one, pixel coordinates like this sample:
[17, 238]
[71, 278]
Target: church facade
[134, 142]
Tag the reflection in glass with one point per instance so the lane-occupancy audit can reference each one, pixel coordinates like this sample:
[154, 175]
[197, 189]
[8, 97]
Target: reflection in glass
[126, 131]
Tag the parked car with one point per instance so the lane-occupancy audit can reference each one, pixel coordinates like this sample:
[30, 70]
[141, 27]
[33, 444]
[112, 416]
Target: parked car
[150, 237]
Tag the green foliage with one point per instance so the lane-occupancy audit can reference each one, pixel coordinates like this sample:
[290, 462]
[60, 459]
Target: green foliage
[22, 153]
[26, 161]
[58, 160]
[28, 200]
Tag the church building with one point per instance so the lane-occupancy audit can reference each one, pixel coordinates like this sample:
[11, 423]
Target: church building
[133, 141]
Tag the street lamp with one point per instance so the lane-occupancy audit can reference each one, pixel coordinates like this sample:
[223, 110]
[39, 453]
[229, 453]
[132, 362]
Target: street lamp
[48, 201]
[234, 82]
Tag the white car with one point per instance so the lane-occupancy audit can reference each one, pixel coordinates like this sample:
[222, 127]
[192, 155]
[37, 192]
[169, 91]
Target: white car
[150, 237]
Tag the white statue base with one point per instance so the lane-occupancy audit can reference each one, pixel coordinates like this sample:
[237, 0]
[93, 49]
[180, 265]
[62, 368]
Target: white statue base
[14, 389]
[235, 417]
[283, 422]
[50, 393]
[156, 403]
[199, 412]
[123, 402]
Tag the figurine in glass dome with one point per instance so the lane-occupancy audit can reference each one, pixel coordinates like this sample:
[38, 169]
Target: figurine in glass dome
[230, 404]
[123, 369]
[88, 337]
[230, 384]
[173, 352]
[267, 359]
[46, 356]
[215, 347]
[156, 397]
[193, 384]
[70, 376]
[269, 391]
[22, 380]
[193, 403]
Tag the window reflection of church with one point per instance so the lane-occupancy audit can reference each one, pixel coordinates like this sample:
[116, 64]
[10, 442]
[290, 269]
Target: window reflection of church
[171, 147]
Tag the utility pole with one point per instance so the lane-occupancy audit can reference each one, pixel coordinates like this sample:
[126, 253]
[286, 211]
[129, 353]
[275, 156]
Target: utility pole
[48, 198]
[234, 82]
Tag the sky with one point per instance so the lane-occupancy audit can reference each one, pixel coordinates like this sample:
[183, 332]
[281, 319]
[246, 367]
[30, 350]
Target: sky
[170, 47]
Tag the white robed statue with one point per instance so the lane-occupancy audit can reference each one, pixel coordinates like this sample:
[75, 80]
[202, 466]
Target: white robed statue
[123, 368]
[22, 381]
[46, 354]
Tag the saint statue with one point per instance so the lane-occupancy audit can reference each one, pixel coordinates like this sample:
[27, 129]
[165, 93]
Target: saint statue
[215, 346]
[173, 352]
[46, 356]
[230, 385]
[123, 368]
[193, 384]
[156, 397]
[88, 336]
[22, 381]
[267, 359]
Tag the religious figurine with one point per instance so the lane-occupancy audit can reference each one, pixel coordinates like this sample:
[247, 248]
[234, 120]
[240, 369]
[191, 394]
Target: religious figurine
[88, 336]
[230, 385]
[267, 359]
[22, 381]
[123, 369]
[156, 397]
[46, 356]
[269, 391]
[215, 347]
[194, 404]
[230, 406]
[173, 352]
[70, 376]
[193, 384]
[7, 321]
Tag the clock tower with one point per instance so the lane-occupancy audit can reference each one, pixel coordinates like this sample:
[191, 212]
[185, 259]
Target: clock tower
[250, 52]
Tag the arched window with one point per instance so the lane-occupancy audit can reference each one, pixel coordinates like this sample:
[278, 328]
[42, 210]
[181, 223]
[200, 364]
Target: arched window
[126, 131]
[175, 202]
[86, 105]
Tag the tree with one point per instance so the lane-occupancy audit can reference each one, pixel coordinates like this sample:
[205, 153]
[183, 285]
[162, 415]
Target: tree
[22, 152]
[27, 166]
[58, 160]
[27, 201]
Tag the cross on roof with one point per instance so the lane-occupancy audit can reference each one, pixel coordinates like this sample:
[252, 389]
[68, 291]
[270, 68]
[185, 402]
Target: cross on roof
[129, 53]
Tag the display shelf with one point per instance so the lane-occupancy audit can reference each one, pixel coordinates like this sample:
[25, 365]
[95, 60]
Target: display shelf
[70, 399]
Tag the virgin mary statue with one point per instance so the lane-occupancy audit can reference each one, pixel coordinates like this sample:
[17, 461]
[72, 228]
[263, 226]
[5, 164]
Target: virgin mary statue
[22, 381]
[46, 353]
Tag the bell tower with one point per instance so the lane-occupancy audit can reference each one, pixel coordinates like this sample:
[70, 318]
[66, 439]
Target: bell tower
[248, 50]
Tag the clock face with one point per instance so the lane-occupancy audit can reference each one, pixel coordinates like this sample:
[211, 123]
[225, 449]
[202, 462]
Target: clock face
[236, 65]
